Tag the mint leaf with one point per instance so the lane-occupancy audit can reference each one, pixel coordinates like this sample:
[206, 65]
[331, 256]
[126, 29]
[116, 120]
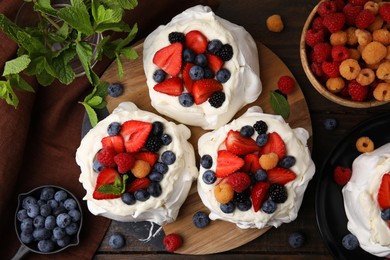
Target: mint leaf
[279, 104]
[104, 15]
[62, 68]
[8, 94]
[93, 119]
[45, 7]
[109, 189]
[44, 78]
[100, 47]
[17, 81]
[9, 28]
[95, 101]
[31, 44]
[77, 17]
[84, 52]
[120, 66]
[129, 53]
[120, 43]
[120, 26]
[124, 181]
[16, 65]
[128, 4]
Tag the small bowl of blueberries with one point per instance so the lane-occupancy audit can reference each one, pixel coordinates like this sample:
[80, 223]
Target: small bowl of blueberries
[48, 219]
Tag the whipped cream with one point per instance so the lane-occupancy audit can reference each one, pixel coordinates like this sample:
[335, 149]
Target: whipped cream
[296, 145]
[360, 201]
[175, 184]
[243, 87]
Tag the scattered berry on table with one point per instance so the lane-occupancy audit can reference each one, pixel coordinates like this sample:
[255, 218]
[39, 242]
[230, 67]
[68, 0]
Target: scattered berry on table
[172, 242]
[269, 206]
[115, 90]
[296, 239]
[159, 76]
[176, 37]
[168, 157]
[350, 242]
[186, 99]
[260, 127]
[228, 207]
[330, 123]
[247, 131]
[278, 193]
[206, 161]
[217, 98]
[128, 198]
[209, 177]
[341, 175]
[226, 52]
[274, 23]
[116, 241]
[223, 75]
[214, 46]
[286, 84]
[201, 219]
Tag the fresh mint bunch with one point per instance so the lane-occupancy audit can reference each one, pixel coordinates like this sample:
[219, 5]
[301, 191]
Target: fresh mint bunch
[62, 35]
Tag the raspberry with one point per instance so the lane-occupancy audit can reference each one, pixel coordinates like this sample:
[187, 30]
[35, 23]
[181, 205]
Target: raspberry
[334, 22]
[124, 161]
[239, 181]
[358, 2]
[321, 52]
[317, 69]
[384, 11]
[339, 4]
[341, 175]
[351, 12]
[172, 242]
[340, 53]
[357, 91]
[317, 24]
[314, 37]
[286, 84]
[326, 7]
[106, 157]
[364, 19]
[331, 69]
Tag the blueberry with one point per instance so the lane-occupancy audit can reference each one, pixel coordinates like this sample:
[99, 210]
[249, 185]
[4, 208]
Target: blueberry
[22, 214]
[157, 128]
[41, 202]
[58, 233]
[244, 205]
[41, 233]
[159, 76]
[32, 210]
[161, 167]
[168, 157]
[63, 242]
[201, 60]
[260, 175]
[385, 214]
[247, 131]
[114, 128]
[28, 201]
[46, 245]
[156, 176]
[72, 229]
[186, 99]
[47, 193]
[208, 73]
[261, 139]
[59, 210]
[141, 195]
[115, 90]
[296, 239]
[287, 161]
[209, 177]
[128, 198]
[223, 75]
[116, 241]
[27, 225]
[70, 204]
[350, 242]
[39, 222]
[188, 55]
[269, 206]
[26, 237]
[196, 72]
[200, 219]
[166, 139]
[63, 220]
[45, 210]
[228, 207]
[206, 161]
[330, 123]
[75, 215]
[60, 195]
[154, 189]
[50, 222]
[214, 46]
[53, 204]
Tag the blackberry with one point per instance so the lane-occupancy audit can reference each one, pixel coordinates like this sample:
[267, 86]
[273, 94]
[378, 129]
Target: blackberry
[278, 193]
[241, 197]
[176, 37]
[157, 128]
[153, 143]
[217, 98]
[260, 127]
[226, 52]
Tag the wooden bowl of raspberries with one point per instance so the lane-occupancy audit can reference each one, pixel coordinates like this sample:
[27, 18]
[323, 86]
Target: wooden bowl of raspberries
[345, 51]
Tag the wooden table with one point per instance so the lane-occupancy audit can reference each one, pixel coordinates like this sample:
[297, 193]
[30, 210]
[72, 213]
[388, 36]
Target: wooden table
[252, 14]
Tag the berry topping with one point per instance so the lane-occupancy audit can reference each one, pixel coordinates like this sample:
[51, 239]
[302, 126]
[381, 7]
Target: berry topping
[116, 241]
[259, 194]
[140, 169]
[137, 184]
[214, 46]
[154, 189]
[268, 161]
[115, 142]
[251, 163]
[161, 167]
[269, 206]
[296, 239]
[341, 175]
[201, 60]
[147, 156]
[223, 193]
[124, 161]
[169, 58]
[227, 163]
[128, 198]
[106, 178]
[168, 157]
[201, 219]
[385, 214]
[186, 99]
[166, 139]
[176, 37]
[204, 88]
[196, 41]
[157, 128]
[106, 157]
[206, 161]
[384, 192]
[223, 75]
[215, 62]
[278, 193]
[245, 205]
[159, 76]
[156, 176]
[172, 242]
[228, 207]
[171, 86]
[226, 52]
[275, 144]
[350, 242]
[141, 195]
[153, 143]
[247, 131]
[286, 84]
[287, 162]
[217, 98]
[115, 90]
[114, 128]
[260, 175]
[239, 181]
[188, 81]
[260, 127]
[209, 177]
[240, 145]
[280, 175]
[135, 134]
[196, 72]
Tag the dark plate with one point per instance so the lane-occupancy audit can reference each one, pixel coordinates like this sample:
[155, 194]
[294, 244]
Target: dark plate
[331, 217]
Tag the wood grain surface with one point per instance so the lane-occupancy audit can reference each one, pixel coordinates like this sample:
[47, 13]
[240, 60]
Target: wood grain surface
[206, 241]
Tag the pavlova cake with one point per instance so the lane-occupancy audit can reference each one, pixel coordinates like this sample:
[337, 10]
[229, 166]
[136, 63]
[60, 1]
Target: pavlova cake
[136, 166]
[367, 201]
[201, 69]
[254, 171]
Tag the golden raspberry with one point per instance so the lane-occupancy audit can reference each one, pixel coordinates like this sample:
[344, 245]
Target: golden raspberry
[364, 144]
[351, 36]
[223, 193]
[141, 169]
[354, 54]
[335, 85]
[275, 23]
[376, 25]
[363, 37]
[382, 92]
[374, 52]
[382, 36]
[383, 71]
[268, 161]
[388, 53]
[372, 6]
[366, 76]
[374, 66]
[338, 38]
[349, 69]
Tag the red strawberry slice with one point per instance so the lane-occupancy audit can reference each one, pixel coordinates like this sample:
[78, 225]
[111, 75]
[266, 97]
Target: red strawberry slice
[227, 163]
[171, 86]
[137, 184]
[147, 156]
[258, 194]
[124, 161]
[135, 133]
[204, 88]
[215, 62]
[251, 163]
[116, 142]
[169, 58]
[196, 41]
[106, 176]
[384, 192]
[239, 181]
[280, 175]
[275, 144]
[188, 81]
[240, 145]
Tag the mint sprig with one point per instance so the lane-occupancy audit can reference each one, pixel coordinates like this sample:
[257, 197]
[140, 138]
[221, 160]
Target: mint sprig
[117, 188]
[279, 104]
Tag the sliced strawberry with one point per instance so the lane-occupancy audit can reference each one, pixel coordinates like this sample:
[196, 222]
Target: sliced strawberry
[251, 163]
[239, 181]
[384, 192]
[196, 41]
[188, 81]
[116, 142]
[106, 176]
[280, 175]
[137, 184]
[169, 58]
[240, 145]
[258, 194]
[135, 134]
[215, 62]
[147, 156]
[227, 163]
[204, 88]
[171, 86]
[275, 144]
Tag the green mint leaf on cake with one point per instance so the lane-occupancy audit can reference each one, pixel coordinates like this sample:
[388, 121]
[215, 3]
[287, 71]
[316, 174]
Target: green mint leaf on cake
[117, 188]
[16, 65]
[279, 104]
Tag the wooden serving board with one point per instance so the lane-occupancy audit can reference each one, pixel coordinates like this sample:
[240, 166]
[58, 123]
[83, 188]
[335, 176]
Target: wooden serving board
[208, 240]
